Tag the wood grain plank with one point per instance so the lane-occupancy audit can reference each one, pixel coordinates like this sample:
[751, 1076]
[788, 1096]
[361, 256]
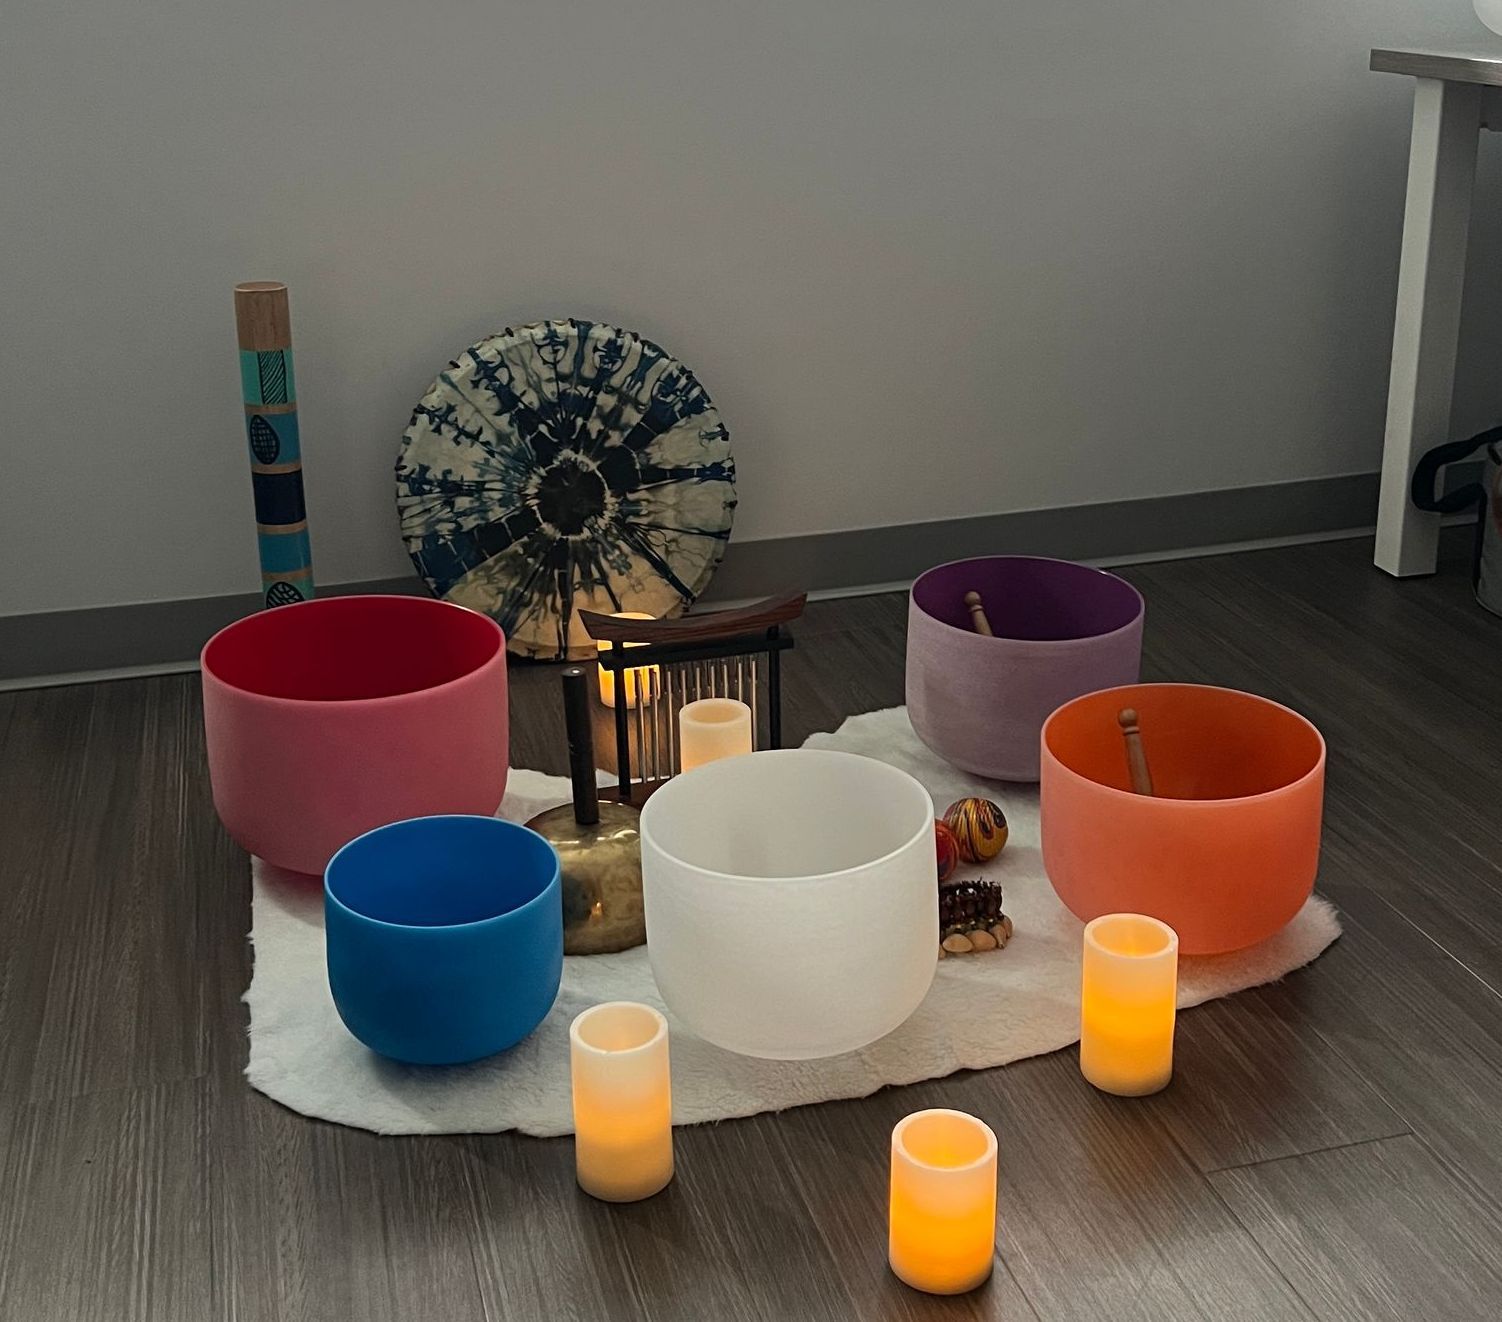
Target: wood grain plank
[115, 1223]
[542, 1247]
[839, 1158]
[1252, 1083]
[314, 1221]
[144, 1157]
[114, 893]
[1378, 1230]
[729, 1238]
[1420, 1028]
[39, 779]
[1101, 1214]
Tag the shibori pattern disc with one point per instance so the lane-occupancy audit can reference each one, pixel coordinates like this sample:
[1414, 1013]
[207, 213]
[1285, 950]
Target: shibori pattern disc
[561, 466]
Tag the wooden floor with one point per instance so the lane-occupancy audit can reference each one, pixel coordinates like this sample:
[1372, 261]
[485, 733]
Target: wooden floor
[1331, 1147]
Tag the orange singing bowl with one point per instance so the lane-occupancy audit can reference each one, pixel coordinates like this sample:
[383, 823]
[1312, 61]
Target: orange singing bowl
[1226, 849]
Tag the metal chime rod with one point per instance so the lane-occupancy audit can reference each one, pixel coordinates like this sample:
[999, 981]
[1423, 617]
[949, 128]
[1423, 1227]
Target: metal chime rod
[656, 682]
[641, 727]
[674, 707]
[755, 727]
[667, 695]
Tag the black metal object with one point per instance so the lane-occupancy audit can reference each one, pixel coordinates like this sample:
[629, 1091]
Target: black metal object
[581, 746]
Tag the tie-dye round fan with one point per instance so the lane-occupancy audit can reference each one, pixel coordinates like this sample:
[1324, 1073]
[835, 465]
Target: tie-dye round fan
[565, 466]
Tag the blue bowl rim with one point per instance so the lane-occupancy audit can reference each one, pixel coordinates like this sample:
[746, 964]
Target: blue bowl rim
[550, 887]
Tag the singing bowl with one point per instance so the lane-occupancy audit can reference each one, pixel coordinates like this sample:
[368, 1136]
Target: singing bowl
[1060, 630]
[444, 937]
[330, 717]
[790, 900]
[1226, 849]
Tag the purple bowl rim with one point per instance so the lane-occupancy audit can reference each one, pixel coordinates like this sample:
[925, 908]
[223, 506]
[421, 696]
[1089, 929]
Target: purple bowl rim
[1317, 769]
[550, 887]
[334, 704]
[1052, 643]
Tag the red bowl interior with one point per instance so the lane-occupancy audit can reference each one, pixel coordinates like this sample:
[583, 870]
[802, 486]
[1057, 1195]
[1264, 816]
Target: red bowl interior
[342, 649]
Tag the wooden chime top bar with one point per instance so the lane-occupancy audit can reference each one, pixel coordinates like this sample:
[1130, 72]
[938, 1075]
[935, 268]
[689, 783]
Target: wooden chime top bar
[712, 626]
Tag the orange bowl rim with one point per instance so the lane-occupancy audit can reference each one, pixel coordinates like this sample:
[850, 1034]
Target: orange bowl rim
[1318, 769]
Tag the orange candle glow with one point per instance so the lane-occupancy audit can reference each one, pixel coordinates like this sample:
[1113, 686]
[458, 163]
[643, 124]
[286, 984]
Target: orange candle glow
[1127, 994]
[623, 1101]
[607, 677]
[942, 1223]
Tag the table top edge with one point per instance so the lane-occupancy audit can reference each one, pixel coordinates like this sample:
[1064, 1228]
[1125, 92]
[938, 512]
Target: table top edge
[1449, 66]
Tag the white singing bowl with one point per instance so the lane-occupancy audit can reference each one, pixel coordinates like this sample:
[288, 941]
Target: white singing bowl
[791, 902]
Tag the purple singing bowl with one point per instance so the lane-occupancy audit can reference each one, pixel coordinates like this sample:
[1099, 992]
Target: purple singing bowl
[1061, 630]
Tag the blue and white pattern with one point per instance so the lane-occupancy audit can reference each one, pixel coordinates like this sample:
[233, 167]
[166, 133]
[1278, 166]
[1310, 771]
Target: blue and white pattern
[564, 466]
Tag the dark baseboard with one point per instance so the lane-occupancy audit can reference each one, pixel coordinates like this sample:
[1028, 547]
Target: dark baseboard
[166, 633]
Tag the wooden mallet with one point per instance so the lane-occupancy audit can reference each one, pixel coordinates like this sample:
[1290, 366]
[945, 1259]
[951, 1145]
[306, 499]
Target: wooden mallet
[1142, 779]
[978, 620]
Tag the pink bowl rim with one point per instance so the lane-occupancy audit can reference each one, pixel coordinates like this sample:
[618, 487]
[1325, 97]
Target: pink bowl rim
[407, 695]
[1049, 757]
[1051, 644]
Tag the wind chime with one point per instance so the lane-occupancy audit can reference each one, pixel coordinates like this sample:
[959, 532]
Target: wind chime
[656, 667]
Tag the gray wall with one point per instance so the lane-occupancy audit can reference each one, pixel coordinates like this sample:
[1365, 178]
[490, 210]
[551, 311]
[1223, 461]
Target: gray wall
[932, 257]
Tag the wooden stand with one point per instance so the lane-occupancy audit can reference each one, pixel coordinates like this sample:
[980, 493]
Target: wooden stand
[717, 654]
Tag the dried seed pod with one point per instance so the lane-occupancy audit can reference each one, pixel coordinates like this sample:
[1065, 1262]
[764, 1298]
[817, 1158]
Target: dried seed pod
[965, 906]
[1002, 931]
[983, 940]
[957, 944]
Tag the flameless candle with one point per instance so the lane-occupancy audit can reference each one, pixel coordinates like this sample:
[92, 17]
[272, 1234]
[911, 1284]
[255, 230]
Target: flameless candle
[713, 728]
[1127, 995]
[607, 677]
[623, 1102]
[941, 1235]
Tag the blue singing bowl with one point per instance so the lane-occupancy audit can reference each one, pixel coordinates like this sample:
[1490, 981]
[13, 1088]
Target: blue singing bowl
[444, 936]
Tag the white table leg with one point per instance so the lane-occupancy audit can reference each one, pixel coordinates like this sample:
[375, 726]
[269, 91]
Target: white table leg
[1436, 223]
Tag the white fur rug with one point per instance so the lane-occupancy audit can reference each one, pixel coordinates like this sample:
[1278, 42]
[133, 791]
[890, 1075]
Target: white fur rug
[983, 1010]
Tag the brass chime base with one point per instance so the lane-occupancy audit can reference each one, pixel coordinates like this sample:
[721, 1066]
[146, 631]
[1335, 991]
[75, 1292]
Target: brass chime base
[601, 864]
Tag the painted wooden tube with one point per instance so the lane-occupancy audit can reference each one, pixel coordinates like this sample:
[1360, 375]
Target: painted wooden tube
[263, 322]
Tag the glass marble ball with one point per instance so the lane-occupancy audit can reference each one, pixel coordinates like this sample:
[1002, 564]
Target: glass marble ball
[979, 827]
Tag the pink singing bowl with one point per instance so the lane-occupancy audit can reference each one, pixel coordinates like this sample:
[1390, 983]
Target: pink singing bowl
[1061, 629]
[1226, 849]
[329, 718]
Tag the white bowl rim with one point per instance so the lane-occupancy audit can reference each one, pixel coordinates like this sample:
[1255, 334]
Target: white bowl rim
[745, 879]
